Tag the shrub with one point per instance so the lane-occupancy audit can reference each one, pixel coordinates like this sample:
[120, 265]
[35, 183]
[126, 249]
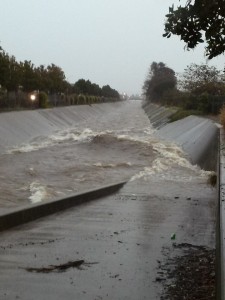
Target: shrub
[172, 97]
[189, 102]
[93, 99]
[62, 97]
[43, 100]
[70, 100]
[88, 99]
[75, 97]
[81, 99]
[204, 104]
[222, 116]
[181, 114]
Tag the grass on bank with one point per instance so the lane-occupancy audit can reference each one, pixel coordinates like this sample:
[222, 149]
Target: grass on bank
[181, 113]
[222, 117]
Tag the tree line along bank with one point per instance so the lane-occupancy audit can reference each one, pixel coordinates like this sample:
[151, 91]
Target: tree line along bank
[199, 90]
[23, 85]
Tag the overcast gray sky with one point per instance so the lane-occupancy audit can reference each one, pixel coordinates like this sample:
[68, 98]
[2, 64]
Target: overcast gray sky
[106, 41]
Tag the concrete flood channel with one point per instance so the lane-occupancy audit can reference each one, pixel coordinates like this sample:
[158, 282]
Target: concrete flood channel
[153, 238]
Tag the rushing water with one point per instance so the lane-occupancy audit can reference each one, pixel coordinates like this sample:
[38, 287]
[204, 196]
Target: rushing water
[101, 149]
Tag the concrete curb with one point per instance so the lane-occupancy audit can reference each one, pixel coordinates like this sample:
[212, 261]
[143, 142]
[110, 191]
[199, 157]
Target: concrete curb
[32, 212]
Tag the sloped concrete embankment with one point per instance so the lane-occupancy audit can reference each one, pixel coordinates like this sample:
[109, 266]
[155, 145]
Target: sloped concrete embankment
[197, 136]
[158, 115]
[22, 126]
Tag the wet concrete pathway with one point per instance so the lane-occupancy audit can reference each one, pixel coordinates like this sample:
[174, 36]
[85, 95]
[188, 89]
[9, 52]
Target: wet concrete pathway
[109, 248]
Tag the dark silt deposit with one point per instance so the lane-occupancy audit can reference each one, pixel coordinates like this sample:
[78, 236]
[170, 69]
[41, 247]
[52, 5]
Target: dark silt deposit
[188, 273]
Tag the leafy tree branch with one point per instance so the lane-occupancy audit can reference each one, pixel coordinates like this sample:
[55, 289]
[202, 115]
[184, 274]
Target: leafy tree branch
[199, 21]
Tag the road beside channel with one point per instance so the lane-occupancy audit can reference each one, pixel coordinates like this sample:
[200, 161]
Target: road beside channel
[109, 248]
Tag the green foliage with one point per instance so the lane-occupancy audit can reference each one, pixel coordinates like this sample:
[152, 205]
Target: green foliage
[55, 79]
[204, 104]
[75, 98]
[81, 99]
[180, 114]
[43, 100]
[92, 99]
[202, 78]
[81, 86]
[201, 89]
[222, 117]
[173, 97]
[89, 99]
[108, 92]
[23, 77]
[10, 71]
[204, 87]
[159, 80]
[85, 87]
[198, 21]
[14, 75]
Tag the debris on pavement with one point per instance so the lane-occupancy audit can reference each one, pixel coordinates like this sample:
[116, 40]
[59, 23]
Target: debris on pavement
[61, 268]
[188, 274]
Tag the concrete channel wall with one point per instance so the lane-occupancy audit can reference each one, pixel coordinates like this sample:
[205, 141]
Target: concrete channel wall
[158, 115]
[197, 136]
[22, 126]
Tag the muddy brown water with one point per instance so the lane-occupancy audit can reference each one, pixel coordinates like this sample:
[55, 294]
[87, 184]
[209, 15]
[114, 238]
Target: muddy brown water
[119, 240]
[100, 148]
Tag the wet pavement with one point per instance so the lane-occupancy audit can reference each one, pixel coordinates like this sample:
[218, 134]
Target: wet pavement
[109, 248]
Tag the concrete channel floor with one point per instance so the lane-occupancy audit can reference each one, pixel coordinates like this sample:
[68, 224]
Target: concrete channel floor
[119, 238]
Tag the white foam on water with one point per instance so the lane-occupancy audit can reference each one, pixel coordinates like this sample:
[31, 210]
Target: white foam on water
[52, 140]
[38, 192]
[75, 135]
[139, 139]
[102, 165]
[149, 130]
[170, 156]
[105, 165]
